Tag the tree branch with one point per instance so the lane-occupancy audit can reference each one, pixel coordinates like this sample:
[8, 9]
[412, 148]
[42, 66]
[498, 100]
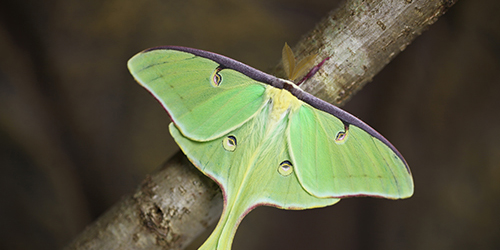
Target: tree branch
[169, 209]
[361, 37]
[175, 204]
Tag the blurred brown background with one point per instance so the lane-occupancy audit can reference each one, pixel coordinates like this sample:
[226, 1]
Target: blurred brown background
[77, 133]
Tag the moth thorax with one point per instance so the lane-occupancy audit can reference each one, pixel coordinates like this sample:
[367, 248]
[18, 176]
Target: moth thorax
[282, 102]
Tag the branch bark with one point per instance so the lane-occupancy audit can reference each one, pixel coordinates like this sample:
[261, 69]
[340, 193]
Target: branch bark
[169, 209]
[175, 204]
[361, 37]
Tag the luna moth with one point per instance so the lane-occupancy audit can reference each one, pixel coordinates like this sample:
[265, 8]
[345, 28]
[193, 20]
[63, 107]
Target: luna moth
[263, 139]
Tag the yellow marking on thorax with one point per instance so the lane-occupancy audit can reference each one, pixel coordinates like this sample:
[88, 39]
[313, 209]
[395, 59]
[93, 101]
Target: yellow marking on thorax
[282, 102]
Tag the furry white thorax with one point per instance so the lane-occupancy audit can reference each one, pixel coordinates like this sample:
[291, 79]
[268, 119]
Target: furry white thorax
[282, 103]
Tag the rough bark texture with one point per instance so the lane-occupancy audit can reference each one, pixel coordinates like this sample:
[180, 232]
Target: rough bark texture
[177, 203]
[361, 37]
[168, 211]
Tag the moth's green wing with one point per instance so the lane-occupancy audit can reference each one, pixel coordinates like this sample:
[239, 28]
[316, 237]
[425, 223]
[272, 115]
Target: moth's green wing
[186, 86]
[249, 175]
[329, 164]
[251, 170]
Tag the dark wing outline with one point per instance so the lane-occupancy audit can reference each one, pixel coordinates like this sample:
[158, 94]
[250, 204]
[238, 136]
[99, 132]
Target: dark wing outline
[276, 82]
